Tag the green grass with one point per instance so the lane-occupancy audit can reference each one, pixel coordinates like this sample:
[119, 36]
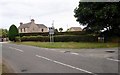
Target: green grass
[0, 68]
[69, 45]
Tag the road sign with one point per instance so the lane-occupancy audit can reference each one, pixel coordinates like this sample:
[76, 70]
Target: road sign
[51, 30]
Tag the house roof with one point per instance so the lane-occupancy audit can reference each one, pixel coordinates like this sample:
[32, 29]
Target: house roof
[76, 28]
[27, 25]
[41, 25]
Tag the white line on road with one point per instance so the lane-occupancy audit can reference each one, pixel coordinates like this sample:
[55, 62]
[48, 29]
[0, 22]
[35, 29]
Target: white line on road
[62, 51]
[75, 53]
[113, 59]
[66, 65]
[16, 49]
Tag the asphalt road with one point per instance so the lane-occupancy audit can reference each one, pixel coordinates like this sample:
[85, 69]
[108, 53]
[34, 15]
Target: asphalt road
[29, 59]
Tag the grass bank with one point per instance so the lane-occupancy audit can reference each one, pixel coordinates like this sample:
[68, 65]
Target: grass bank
[69, 45]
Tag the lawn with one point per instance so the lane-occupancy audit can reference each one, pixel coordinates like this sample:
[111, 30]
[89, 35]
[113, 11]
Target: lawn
[69, 45]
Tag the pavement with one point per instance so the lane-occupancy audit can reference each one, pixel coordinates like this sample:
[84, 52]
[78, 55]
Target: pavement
[29, 59]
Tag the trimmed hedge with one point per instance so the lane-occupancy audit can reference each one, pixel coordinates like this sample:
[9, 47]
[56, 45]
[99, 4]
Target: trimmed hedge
[60, 38]
[74, 38]
[56, 33]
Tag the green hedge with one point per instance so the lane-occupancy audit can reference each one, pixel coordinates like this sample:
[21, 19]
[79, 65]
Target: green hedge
[74, 38]
[57, 33]
[60, 38]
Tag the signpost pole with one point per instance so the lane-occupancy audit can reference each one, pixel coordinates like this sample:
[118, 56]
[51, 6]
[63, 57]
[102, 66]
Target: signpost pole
[51, 33]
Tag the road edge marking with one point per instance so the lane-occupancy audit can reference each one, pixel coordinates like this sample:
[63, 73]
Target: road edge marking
[16, 49]
[113, 59]
[70, 66]
[75, 53]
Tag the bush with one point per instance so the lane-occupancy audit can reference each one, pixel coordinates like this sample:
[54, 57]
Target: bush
[13, 32]
[61, 38]
[74, 38]
[17, 39]
[35, 38]
[56, 33]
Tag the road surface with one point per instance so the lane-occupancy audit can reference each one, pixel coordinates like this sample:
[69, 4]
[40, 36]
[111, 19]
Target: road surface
[29, 59]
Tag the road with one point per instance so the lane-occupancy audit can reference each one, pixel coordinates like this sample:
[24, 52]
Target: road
[29, 59]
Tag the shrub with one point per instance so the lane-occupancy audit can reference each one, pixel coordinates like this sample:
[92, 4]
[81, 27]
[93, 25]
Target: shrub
[61, 38]
[56, 33]
[35, 38]
[13, 32]
[74, 38]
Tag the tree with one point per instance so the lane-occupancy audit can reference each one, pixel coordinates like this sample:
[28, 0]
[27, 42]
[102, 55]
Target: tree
[55, 30]
[60, 29]
[13, 32]
[99, 16]
[4, 33]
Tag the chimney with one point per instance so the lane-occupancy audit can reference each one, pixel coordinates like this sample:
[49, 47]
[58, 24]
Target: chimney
[21, 23]
[32, 20]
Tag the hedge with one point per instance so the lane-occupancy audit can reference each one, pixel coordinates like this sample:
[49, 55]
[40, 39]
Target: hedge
[57, 33]
[60, 38]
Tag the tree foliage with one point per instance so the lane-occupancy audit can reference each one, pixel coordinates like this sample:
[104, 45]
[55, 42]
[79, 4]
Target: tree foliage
[55, 30]
[99, 16]
[60, 29]
[13, 32]
[3, 33]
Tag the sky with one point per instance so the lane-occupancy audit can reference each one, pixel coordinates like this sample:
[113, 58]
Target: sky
[42, 11]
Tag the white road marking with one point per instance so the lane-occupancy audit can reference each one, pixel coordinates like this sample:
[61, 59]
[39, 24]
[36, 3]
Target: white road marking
[65, 64]
[16, 49]
[52, 49]
[113, 59]
[62, 51]
[74, 53]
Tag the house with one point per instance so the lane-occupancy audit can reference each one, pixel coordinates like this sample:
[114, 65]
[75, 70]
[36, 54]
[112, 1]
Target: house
[32, 27]
[75, 29]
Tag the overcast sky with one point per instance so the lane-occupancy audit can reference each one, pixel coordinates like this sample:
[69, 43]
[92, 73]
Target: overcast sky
[43, 11]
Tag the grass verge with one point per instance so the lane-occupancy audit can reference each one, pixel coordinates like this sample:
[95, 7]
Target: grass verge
[0, 68]
[69, 45]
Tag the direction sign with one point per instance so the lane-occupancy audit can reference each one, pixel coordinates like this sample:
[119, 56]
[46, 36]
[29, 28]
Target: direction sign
[51, 30]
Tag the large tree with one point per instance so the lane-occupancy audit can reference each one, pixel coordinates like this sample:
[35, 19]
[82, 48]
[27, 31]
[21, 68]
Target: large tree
[97, 16]
[13, 32]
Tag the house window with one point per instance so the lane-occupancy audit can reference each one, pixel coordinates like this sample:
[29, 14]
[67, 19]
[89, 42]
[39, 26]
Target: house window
[42, 30]
[20, 30]
[24, 29]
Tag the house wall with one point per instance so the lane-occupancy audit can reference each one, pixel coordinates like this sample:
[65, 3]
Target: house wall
[44, 29]
[33, 28]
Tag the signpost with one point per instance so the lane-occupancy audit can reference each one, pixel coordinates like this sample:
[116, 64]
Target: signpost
[51, 33]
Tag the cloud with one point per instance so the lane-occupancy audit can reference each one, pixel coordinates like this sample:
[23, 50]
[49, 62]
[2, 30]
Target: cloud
[14, 11]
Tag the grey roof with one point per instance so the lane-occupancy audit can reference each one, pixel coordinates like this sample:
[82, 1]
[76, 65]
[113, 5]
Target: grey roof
[41, 25]
[76, 28]
[27, 25]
